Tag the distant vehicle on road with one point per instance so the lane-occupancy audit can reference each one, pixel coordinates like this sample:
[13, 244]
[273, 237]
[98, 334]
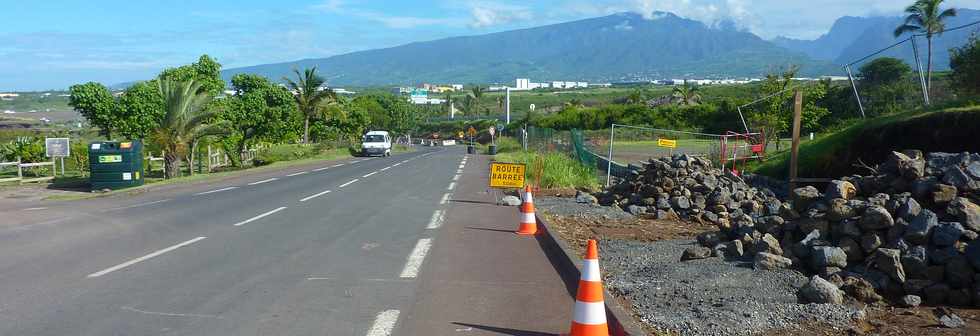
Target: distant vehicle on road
[376, 143]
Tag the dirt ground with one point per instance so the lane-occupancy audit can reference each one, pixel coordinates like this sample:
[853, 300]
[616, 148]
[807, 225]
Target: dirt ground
[881, 320]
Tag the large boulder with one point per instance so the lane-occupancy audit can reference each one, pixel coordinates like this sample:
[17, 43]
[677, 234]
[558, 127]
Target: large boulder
[586, 198]
[860, 289]
[889, 262]
[876, 218]
[839, 209]
[916, 261]
[921, 227]
[909, 301]
[769, 261]
[710, 238]
[972, 254]
[947, 233]
[768, 244]
[870, 242]
[828, 256]
[840, 189]
[852, 249]
[804, 197]
[818, 290]
[943, 193]
[731, 249]
[908, 208]
[959, 273]
[680, 202]
[966, 211]
[955, 176]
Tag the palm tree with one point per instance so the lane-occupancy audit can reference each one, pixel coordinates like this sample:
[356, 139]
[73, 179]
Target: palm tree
[309, 98]
[186, 119]
[926, 17]
[476, 93]
[687, 94]
[636, 97]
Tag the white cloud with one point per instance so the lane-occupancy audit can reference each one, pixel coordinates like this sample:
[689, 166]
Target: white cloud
[391, 21]
[487, 14]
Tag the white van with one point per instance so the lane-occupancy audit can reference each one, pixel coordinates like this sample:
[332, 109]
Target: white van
[376, 143]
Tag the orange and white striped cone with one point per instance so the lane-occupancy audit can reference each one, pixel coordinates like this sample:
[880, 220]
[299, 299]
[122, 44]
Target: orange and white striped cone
[529, 224]
[589, 318]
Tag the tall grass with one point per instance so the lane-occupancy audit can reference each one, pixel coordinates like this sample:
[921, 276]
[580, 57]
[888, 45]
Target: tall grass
[557, 170]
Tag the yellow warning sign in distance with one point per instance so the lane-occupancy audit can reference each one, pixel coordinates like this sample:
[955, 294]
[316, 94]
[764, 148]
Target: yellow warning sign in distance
[507, 175]
[667, 143]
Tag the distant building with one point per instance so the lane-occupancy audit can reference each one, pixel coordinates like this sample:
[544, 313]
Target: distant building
[523, 84]
[457, 87]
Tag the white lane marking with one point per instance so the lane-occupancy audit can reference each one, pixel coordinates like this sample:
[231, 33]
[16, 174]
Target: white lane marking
[384, 323]
[146, 312]
[461, 166]
[445, 198]
[456, 177]
[314, 196]
[296, 174]
[35, 209]
[385, 168]
[263, 181]
[321, 169]
[369, 175]
[396, 165]
[459, 171]
[367, 279]
[259, 216]
[415, 259]
[348, 183]
[143, 258]
[215, 191]
[337, 165]
[452, 185]
[139, 205]
[437, 218]
[404, 161]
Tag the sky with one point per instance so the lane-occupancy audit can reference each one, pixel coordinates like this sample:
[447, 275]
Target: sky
[56, 43]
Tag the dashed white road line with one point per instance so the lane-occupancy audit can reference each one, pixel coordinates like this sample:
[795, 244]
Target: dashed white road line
[452, 185]
[139, 205]
[459, 171]
[445, 198]
[263, 181]
[260, 216]
[348, 183]
[385, 168]
[456, 177]
[296, 174]
[415, 259]
[321, 169]
[369, 175]
[384, 323]
[314, 196]
[215, 191]
[35, 209]
[437, 218]
[397, 164]
[337, 165]
[143, 258]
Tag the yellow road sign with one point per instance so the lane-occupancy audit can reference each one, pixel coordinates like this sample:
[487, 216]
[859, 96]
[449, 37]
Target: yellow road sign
[507, 175]
[667, 143]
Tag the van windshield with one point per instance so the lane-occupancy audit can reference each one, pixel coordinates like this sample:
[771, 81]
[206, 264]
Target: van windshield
[374, 138]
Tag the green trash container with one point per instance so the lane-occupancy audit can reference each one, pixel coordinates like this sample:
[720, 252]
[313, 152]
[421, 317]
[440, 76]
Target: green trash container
[115, 165]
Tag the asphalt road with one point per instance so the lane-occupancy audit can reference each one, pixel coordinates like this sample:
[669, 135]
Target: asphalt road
[325, 249]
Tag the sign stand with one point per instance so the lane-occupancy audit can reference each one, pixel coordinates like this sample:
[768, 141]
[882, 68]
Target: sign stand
[57, 148]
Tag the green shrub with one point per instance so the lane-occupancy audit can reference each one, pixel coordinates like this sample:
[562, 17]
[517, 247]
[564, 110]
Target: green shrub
[28, 149]
[286, 152]
[557, 170]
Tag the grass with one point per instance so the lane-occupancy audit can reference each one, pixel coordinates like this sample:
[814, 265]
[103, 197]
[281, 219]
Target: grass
[824, 155]
[553, 170]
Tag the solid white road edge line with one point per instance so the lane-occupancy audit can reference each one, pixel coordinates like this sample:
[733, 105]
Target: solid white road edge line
[437, 218]
[414, 262]
[456, 177]
[259, 216]
[369, 175]
[215, 191]
[314, 196]
[452, 185]
[445, 198]
[143, 258]
[348, 183]
[296, 174]
[263, 181]
[384, 323]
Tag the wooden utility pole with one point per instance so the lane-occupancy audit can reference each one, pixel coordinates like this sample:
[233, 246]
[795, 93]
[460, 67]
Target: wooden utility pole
[795, 151]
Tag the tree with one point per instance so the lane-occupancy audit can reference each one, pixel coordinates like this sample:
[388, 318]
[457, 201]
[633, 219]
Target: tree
[259, 109]
[185, 119]
[773, 115]
[206, 70]
[96, 104]
[926, 17]
[139, 110]
[310, 99]
[473, 102]
[885, 86]
[687, 95]
[885, 70]
[636, 97]
[965, 62]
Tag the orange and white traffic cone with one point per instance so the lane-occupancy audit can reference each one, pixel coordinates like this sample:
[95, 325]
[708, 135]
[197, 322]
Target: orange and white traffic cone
[529, 224]
[589, 318]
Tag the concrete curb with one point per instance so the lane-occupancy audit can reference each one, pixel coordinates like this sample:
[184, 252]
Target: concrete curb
[568, 264]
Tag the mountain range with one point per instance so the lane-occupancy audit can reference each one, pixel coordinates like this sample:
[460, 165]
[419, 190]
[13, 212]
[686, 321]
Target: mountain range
[618, 47]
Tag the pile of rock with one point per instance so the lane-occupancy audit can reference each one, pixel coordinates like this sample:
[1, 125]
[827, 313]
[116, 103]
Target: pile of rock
[908, 231]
